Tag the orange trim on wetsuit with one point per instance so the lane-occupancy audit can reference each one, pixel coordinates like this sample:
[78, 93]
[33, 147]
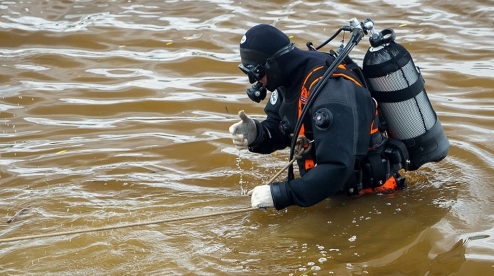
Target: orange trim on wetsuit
[342, 66]
[304, 96]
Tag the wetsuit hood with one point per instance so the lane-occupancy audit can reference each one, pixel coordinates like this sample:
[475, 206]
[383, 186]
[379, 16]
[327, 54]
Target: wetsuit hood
[260, 48]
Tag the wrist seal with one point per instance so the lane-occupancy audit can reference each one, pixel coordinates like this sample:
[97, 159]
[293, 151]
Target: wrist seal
[281, 199]
[259, 135]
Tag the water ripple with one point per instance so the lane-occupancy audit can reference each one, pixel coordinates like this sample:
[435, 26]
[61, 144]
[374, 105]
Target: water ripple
[153, 55]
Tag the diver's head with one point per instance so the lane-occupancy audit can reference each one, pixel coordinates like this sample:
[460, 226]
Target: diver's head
[259, 48]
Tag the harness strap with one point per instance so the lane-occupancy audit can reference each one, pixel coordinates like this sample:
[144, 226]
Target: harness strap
[403, 152]
[377, 168]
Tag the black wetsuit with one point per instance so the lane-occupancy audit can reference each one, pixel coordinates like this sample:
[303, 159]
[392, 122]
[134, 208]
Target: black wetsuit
[336, 146]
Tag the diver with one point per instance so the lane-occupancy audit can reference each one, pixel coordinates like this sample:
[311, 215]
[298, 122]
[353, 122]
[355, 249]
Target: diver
[347, 145]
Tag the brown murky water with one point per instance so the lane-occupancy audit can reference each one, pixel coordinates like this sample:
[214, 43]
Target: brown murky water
[116, 112]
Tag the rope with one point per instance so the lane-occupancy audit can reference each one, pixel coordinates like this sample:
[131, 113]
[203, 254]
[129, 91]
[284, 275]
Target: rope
[125, 226]
[303, 146]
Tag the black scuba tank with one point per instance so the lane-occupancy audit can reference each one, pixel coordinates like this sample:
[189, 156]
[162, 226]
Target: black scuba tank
[397, 85]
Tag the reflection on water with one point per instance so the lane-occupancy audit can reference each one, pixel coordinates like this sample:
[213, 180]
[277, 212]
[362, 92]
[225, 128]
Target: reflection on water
[114, 112]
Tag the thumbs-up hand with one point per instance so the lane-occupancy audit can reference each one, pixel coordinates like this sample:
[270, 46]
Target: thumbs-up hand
[244, 132]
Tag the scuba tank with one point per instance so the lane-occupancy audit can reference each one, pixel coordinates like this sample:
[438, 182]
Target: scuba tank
[397, 85]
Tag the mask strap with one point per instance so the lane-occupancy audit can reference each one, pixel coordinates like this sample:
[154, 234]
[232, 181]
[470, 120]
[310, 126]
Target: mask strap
[279, 53]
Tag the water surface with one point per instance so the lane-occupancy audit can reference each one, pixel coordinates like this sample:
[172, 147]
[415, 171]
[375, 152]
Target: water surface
[116, 112]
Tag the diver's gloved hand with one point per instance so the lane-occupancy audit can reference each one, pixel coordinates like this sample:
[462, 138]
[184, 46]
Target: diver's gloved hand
[261, 197]
[244, 132]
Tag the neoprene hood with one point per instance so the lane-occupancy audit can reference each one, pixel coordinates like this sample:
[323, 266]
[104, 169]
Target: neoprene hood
[260, 43]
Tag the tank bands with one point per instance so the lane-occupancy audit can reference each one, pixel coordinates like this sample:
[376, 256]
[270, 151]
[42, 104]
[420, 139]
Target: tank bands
[400, 95]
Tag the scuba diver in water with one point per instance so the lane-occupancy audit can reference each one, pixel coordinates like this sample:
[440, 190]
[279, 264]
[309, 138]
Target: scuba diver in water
[347, 147]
